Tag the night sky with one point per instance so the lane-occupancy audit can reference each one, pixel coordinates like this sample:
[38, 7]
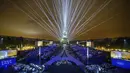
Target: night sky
[13, 22]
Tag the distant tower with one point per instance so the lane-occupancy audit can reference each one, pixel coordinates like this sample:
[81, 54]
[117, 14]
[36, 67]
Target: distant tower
[64, 39]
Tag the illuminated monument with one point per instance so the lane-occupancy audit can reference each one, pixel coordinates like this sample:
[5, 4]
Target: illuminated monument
[64, 39]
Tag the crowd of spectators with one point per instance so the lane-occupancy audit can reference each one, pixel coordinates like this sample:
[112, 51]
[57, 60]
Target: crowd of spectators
[28, 68]
[88, 54]
[104, 68]
[43, 53]
[95, 62]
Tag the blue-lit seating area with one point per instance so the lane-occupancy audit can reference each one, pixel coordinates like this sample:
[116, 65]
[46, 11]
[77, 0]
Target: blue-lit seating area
[44, 53]
[59, 59]
[80, 52]
[99, 56]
